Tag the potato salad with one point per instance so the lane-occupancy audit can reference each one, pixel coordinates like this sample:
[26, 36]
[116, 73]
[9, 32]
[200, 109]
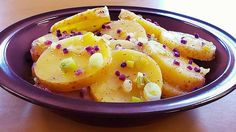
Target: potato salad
[131, 59]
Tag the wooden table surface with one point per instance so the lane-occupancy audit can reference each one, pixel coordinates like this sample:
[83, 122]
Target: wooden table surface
[17, 115]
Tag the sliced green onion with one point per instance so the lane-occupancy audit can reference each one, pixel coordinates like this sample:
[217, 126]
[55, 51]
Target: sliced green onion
[136, 99]
[96, 60]
[130, 64]
[152, 92]
[127, 85]
[68, 64]
[140, 80]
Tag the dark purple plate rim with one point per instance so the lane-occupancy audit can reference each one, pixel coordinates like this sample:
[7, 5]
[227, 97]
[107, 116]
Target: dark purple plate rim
[215, 90]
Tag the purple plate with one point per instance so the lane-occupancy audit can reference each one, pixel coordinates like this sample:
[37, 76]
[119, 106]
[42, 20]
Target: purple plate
[16, 78]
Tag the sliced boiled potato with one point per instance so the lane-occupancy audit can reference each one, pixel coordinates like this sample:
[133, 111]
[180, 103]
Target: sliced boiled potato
[149, 27]
[41, 44]
[89, 20]
[109, 88]
[122, 28]
[70, 67]
[189, 45]
[175, 70]
[170, 91]
[122, 44]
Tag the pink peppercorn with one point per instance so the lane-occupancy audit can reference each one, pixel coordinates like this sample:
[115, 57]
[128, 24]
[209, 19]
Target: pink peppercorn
[183, 41]
[189, 67]
[190, 61]
[58, 46]
[176, 54]
[103, 26]
[128, 38]
[48, 42]
[176, 63]
[196, 35]
[78, 72]
[117, 73]
[65, 51]
[123, 64]
[140, 44]
[96, 48]
[118, 31]
[164, 46]
[196, 69]
[122, 77]
[58, 33]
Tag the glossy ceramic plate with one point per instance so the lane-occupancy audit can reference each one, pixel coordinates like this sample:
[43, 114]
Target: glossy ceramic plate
[15, 71]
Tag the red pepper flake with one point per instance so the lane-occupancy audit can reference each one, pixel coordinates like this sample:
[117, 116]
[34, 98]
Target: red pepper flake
[196, 69]
[176, 62]
[149, 36]
[164, 46]
[78, 72]
[156, 23]
[190, 62]
[123, 64]
[183, 41]
[58, 46]
[96, 48]
[189, 67]
[48, 42]
[117, 73]
[118, 31]
[140, 44]
[65, 50]
[91, 49]
[128, 38]
[122, 77]
[196, 35]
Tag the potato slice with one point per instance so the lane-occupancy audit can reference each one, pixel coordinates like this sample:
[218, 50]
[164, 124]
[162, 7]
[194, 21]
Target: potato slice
[170, 91]
[189, 45]
[109, 87]
[41, 44]
[149, 27]
[89, 20]
[48, 69]
[119, 44]
[122, 28]
[176, 70]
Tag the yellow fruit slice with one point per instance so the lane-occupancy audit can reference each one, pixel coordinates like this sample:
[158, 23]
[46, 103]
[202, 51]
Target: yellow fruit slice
[124, 30]
[110, 88]
[189, 45]
[89, 20]
[41, 44]
[69, 67]
[176, 70]
[149, 27]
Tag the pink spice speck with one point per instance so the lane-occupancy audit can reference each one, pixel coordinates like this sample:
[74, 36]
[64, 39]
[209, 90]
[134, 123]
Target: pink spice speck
[78, 72]
[122, 77]
[58, 46]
